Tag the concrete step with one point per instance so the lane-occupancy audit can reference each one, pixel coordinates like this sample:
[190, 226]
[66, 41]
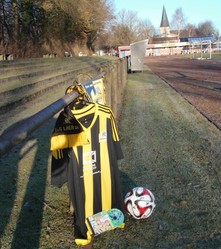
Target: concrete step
[24, 87]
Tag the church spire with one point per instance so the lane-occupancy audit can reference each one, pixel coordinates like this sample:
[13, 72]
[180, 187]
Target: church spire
[164, 25]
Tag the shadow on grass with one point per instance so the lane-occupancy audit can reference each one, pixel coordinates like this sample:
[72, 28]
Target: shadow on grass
[126, 182]
[23, 212]
[23, 201]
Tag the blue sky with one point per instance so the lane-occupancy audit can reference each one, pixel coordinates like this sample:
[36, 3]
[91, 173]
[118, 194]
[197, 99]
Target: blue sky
[196, 11]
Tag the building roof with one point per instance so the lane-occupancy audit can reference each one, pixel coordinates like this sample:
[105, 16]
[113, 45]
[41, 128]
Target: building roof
[164, 19]
[199, 39]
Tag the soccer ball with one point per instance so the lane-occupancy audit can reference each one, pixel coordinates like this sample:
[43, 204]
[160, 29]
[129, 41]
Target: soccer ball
[139, 202]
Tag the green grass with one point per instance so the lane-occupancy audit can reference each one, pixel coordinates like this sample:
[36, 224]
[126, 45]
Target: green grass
[214, 56]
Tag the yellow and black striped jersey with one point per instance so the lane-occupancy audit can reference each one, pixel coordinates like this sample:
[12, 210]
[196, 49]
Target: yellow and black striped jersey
[85, 147]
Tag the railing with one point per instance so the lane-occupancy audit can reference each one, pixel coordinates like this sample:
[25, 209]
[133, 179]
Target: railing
[20, 132]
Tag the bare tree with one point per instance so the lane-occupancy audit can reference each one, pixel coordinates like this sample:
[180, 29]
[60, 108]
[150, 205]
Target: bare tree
[190, 30]
[124, 28]
[205, 28]
[7, 23]
[26, 25]
[178, 20]
[128, 18]
[88, 18]
[145, 30]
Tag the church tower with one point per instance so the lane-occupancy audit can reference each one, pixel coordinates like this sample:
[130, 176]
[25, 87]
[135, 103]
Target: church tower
[165, 35]
[164, 25]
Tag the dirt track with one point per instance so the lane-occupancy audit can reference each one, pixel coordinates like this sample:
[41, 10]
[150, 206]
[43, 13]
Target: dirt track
[198, 81]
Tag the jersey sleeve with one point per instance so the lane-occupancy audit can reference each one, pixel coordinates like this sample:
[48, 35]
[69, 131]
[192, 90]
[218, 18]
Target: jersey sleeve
[118, 150]
[59, 167]
[117, 145]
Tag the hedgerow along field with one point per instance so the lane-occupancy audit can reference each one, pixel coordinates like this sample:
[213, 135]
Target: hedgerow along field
[169, 147]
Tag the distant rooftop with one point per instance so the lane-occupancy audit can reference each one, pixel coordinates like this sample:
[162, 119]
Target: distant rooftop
[199, 39]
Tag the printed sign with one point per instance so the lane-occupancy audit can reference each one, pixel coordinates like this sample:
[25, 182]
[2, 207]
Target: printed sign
[95, 90]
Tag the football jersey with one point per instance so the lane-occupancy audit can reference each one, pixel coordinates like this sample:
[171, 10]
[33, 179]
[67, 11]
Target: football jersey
[85, 149]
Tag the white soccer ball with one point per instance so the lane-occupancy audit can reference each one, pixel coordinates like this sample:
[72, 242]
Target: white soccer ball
[139, 202]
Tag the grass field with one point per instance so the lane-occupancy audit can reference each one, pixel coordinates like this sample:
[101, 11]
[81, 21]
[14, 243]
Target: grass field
[169, 147]
[214, 56]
